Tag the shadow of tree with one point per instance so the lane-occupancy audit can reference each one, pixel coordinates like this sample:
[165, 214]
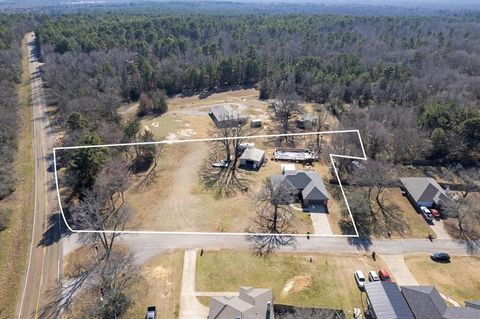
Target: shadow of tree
[263, 245]
[55, 232]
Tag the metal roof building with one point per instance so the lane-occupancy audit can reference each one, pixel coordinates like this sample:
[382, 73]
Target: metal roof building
[385, 301]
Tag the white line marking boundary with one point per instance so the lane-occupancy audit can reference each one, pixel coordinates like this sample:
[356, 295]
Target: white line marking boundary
[332, 156]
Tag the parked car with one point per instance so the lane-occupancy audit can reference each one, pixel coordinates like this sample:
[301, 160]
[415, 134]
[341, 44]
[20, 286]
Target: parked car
[372, 276]
[222, 164]
[383, 275]
[151, 312]
[360, 279]
[440, 257]
[435, 213]
[427, 215]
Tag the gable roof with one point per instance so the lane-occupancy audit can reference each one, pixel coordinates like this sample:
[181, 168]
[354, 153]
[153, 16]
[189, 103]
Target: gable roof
[219, 305]
[425, 301]
[224, 112]
[310, 184]
[424, 189]
[461, 312]
[253, 154]
[387, 300]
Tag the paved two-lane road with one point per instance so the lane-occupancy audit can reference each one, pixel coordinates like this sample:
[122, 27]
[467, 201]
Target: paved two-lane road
[44, 263]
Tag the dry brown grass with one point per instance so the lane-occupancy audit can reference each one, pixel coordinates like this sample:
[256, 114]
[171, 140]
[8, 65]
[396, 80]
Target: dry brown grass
[15, 239]
[457, 279]
[326, 282]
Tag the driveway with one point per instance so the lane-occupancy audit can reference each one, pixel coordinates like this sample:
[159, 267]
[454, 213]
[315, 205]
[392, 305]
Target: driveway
[321, 226]
[399, 270]
[190, 307]
[439, 230]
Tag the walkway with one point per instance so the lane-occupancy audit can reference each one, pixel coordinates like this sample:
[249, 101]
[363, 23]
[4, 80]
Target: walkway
[190, 307]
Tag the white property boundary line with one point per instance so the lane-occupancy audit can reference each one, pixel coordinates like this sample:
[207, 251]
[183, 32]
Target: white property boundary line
[332, 156]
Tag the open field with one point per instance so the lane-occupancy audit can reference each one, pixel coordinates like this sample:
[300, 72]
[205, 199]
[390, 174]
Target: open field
[326, 282]
[15, 239]
[457, 279]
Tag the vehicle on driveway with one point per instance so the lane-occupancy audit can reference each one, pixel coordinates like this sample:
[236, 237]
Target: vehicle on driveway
[151, 313]
[435, 213]
[427, 215]
[440, 257]
[360, 279]
[383, 275]
[373, 276]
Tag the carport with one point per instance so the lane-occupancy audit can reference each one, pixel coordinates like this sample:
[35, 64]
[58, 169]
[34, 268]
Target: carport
[385, 301]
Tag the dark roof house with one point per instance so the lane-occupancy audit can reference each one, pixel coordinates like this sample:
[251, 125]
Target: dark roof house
[307, 187]
[424, 191]
[426, 303]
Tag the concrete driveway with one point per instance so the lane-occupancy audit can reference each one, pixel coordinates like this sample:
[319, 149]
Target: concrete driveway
[321, 226]
[399, 270]
[190, 307]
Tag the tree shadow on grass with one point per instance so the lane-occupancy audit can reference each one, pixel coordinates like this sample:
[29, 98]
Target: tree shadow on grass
[55, 232]
[363, 242]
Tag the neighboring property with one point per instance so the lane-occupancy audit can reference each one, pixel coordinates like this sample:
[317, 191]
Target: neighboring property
[424, 191]
[306, 121]
[385, 301]
[225, 116]
[294, 155]
[252, 158]
[426, 303]
[252, 303]
[256, 123]
[306, 187]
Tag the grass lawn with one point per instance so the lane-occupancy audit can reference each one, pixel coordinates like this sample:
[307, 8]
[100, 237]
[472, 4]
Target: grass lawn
[161, 287]
[457, 279]
[15, 239]
[326, 282]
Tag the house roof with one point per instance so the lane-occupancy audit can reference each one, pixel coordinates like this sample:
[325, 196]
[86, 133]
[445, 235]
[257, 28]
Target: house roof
[424, 189]
[387, 300]
[221, 304]
[253, 154]
[473, 303]
[224, 112]
[425, 301]
[461, 312]
[309, 183]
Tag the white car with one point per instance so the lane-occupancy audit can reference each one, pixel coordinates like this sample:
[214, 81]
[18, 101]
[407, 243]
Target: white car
[426, 213]
[372, 276]
[360, 279]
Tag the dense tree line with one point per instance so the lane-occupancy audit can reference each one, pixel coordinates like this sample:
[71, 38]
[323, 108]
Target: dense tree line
[11, 32]
[402, 63]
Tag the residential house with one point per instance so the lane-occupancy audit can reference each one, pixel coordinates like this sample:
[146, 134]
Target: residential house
[306, 187]
[252, 303]
[427, 303]
[225, 116]
[424, 191]
[385, 301]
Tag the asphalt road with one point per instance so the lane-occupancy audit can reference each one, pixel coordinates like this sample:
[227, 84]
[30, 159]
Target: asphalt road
[44, 263]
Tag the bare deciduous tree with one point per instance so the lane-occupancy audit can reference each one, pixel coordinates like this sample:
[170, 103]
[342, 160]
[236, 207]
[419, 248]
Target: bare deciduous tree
[282, 111]
[273, 218]
[225, 178]
[467, 213]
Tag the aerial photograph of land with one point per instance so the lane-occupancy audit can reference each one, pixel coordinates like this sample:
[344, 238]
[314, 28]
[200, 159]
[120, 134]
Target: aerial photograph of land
[239, 159]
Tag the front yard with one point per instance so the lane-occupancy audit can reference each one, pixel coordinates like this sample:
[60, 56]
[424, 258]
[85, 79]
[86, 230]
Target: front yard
[326, 282]
[454, 279]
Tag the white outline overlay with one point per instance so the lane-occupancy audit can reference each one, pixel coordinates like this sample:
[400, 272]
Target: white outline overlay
[356, 235]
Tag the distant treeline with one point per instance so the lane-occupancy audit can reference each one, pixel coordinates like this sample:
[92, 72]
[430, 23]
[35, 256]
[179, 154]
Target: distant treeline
[428, 67]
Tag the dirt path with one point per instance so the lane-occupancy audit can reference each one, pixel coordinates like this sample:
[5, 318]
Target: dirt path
[181, 203]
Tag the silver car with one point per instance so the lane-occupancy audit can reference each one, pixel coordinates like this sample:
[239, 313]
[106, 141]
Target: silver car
[360, 279]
